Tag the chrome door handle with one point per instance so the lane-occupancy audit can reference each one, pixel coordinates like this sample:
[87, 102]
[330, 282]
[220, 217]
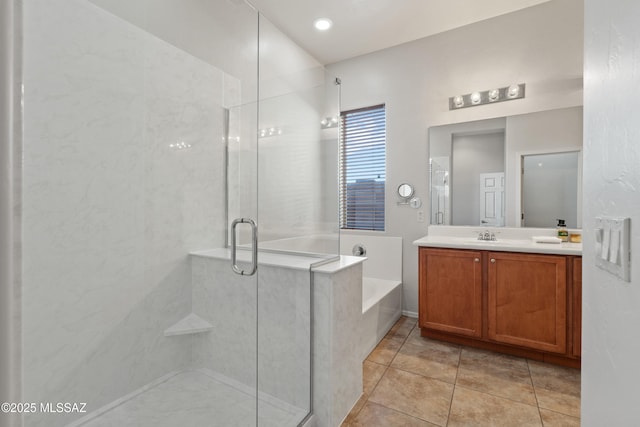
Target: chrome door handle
[254, 247]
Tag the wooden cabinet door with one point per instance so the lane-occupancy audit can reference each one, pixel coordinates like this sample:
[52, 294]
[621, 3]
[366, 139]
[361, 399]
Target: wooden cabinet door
[577, 306]
[451, 291]
[528, 300]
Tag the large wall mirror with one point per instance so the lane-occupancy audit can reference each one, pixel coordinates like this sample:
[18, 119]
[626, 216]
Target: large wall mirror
[516, 171]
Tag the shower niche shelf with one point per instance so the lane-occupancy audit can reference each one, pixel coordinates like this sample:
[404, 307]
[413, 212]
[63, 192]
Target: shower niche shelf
[190, 324]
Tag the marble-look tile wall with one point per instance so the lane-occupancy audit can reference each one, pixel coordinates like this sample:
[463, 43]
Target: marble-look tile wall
[294, 98]
[122, 178]
[228, 301]
[337, 372]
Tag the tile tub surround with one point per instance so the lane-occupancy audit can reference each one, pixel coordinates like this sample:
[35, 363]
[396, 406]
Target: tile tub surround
[281, 326]
[382, 284]
[225, 299]
[415, 381]
[337, 357]
[509, 239]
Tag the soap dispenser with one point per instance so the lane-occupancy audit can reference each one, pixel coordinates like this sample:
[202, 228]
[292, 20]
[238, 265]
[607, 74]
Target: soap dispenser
[563, 233]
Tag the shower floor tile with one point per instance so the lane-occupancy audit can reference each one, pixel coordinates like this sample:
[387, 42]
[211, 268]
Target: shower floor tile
[195, 399]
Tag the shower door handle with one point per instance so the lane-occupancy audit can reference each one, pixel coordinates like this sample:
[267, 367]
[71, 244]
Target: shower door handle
[254, 247]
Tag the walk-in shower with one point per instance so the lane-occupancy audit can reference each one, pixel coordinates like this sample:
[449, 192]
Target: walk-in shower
[149, 128]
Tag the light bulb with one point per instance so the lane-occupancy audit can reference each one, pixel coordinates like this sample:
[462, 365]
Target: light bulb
[476, 98]
[494, 94]
[322, 24]
[458, 101]
[513, 91]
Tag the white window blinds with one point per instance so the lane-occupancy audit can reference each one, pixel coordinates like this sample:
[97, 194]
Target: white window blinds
[363, 168]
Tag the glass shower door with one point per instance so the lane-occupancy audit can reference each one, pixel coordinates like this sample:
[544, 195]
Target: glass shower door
[130, 306]
[152, 132]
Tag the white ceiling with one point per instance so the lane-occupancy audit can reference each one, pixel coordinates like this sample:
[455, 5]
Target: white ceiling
[363, 26]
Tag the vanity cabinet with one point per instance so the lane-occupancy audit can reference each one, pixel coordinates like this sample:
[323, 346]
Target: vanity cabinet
[452, 292]
[577, 307]
[518, 303]
[527, 300]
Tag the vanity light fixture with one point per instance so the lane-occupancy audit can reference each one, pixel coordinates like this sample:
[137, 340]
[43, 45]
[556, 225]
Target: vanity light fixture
[507, 93]
[458, 101]
[513, 91]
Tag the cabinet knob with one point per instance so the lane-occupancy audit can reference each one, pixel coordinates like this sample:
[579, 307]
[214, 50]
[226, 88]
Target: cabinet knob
[493, 260]
[477, 260]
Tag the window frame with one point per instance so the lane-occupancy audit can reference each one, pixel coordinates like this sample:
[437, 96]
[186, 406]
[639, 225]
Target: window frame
[353, 179]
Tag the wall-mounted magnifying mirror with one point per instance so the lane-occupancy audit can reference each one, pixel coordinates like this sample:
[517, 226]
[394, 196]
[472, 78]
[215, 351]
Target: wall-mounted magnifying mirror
[405, 191]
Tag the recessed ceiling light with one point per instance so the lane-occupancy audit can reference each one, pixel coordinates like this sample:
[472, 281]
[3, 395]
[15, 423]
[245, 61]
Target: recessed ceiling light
[322, 24]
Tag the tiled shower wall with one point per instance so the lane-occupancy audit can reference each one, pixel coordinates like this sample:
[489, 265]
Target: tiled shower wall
[112, 203]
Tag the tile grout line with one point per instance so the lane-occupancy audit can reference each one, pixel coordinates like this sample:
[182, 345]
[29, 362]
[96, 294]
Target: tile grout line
[421, 375]
[386, 368]
[498, 396]
[455, 384]
[536, 388]
[535, 393]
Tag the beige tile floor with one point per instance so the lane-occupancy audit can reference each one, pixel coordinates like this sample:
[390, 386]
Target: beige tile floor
[415, 381]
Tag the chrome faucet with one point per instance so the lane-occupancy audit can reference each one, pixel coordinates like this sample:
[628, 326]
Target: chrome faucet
[487, 235]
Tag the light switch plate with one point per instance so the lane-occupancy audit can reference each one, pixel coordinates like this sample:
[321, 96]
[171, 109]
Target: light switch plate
[613, 251]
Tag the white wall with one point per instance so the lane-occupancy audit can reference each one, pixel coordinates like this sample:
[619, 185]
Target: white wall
[540, 46]
[541, 132]
[472, 155]
[611, 313]
[550, 189]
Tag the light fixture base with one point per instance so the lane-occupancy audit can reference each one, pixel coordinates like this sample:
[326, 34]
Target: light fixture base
[491, 96]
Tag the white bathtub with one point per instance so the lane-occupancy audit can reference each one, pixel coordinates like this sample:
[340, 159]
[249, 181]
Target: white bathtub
[381, 308]
[381, 282]
[304, 245]
[381, 285]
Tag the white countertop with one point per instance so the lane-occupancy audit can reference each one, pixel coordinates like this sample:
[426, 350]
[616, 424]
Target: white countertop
[500, 245]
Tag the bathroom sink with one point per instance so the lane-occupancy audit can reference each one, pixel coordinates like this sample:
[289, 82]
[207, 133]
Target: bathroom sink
[483, 242]
[501, 242]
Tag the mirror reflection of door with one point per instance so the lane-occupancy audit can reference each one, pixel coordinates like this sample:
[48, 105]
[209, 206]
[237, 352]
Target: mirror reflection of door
[492, 199]
[475, 154]
[550, 189]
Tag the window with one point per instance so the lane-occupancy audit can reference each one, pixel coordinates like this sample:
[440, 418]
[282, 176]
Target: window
[362, 168]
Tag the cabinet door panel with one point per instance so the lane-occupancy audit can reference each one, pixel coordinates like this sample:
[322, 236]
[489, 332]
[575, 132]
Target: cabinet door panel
[528, 300]
[451, 291]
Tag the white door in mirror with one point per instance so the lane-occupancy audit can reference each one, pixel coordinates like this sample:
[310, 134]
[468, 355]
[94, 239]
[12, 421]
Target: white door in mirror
[492, 199]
